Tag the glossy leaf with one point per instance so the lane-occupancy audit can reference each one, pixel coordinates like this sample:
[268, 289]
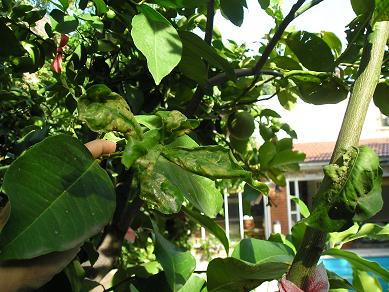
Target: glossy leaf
[352, 192]
[233, 10]
[362, 281]
[264, 4]
[158, 40]
[302, 207]
[381, 97]
[104, 110]
[332, 41]
[359, 263]
[311, 50]
[177, 265]
[232, 274]
[194, 284]
[210, 225]
[197, 47]
[101, 7]
[56, 184]
[362, 6]
[255, 250]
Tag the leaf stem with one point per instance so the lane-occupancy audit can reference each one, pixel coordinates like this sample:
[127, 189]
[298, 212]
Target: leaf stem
[369, 72]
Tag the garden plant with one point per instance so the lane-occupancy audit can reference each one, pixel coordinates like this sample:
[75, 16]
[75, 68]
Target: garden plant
[184, 107]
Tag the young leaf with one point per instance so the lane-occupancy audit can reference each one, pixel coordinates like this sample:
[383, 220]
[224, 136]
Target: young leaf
[359, 263]
[104, 110]
[362, 281]
[158, 40]
[210, 225]
[311, 50]
[303, 208]
[177, 264]
[53, 187]
[194, 284]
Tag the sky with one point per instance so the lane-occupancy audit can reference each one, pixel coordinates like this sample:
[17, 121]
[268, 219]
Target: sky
[311, 122]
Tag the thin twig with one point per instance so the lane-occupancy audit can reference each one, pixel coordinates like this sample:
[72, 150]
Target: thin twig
[307, 6]
[210, 18]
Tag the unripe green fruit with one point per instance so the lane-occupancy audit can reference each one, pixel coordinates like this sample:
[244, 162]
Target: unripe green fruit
[241, 125]
[110, 14]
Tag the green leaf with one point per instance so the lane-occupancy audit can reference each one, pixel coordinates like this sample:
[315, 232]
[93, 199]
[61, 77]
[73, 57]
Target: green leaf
[175, 124]
[181, 3]
[10, 45]
[287, 63]
[193, 67]
[362, 6]
[287, 98]
[280, 238]
[158, 40]
[311, 50]
[149, 121]
[177, 265]
[255, 250]
[137, 148]
[233, 10]
[210, 225]
[332, 41]
[359, 263]
[362, 281]
[104, 110]
[197, 47]
[232, 274]
[351, 192]
[303, 208]
[194, 284]
[266, 153]
[327, 91]
[286, 157]
[337, 282]
[101, 7]
[264, 4]
[381, 97]
[212, 162]
[63, 23]
[198, 190]
[209, 161]
[64, 3]
[60, 197]
[381, 11]
[339, 238]
[75, 274]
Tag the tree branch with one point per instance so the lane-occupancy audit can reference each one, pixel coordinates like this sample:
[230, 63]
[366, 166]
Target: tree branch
[313, 243]
[307, 6]
[210, 18]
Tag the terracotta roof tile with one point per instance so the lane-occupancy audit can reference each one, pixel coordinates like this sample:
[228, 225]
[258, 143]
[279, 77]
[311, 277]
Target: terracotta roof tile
[322, 151]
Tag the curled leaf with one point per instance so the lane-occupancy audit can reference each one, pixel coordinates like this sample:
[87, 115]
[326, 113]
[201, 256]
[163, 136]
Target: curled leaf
[104, 110]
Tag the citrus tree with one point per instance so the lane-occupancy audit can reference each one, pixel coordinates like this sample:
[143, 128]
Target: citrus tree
[184, 108]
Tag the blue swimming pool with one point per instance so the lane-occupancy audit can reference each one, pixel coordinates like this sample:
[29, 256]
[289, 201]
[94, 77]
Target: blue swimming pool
[343, 268]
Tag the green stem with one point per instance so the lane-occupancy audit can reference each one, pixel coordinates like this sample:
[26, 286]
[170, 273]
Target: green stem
[369, 72]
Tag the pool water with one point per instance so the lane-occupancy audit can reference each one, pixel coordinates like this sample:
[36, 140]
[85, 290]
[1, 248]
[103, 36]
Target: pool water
[343, 268]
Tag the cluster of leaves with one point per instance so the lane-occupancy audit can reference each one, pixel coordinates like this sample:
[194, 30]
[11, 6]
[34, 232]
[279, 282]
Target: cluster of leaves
[129, 72]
